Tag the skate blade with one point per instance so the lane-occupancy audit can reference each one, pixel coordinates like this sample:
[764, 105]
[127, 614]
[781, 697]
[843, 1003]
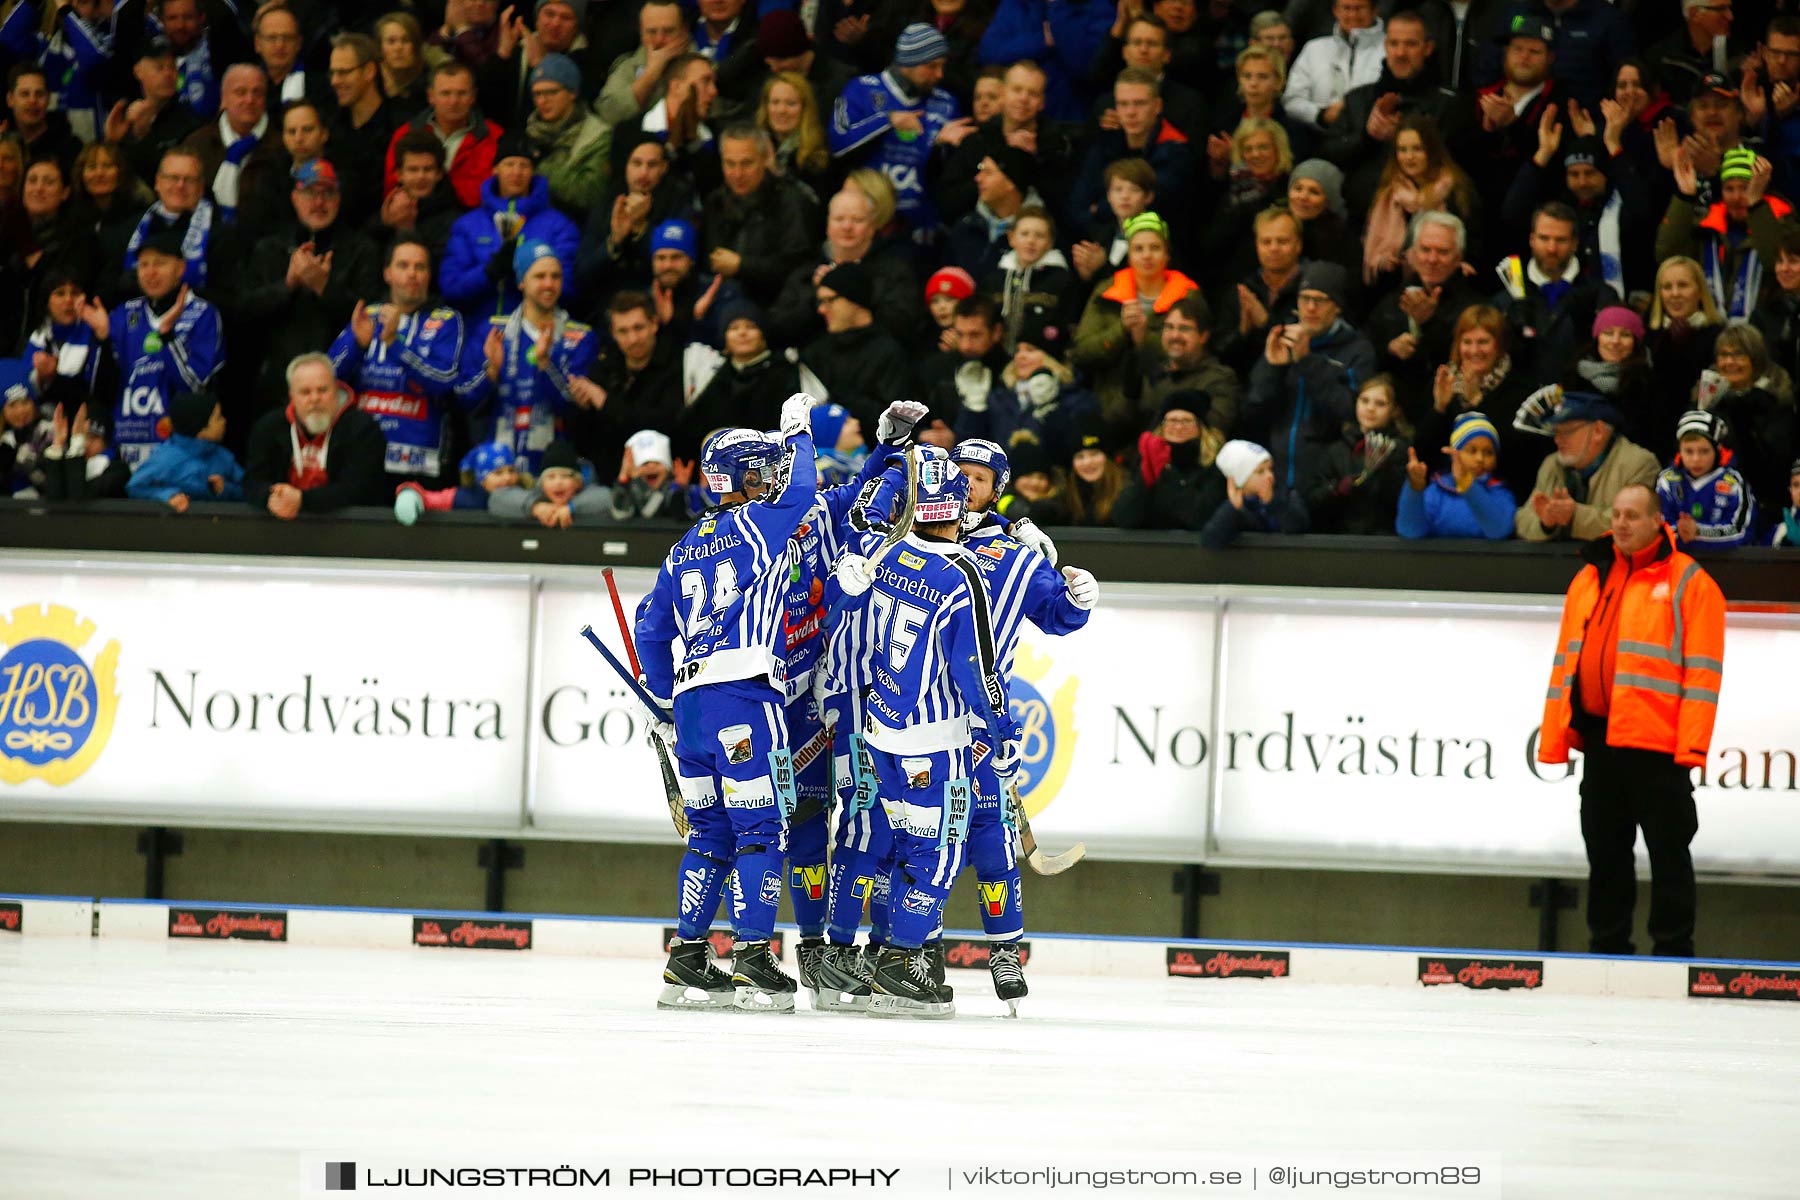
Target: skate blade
[677, 997]
[824, 1000]
[751, 999]
[885, 1006]
[1012, 1009]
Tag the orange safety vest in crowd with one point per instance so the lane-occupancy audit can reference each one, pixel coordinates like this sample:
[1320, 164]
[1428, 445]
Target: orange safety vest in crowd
[1667, 664]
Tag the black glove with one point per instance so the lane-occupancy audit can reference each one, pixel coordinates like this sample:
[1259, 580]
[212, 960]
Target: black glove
[499, 268]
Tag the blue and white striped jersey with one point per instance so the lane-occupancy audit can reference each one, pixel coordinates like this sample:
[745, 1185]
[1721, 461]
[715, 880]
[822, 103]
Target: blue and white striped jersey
[931, 653]
[1022, 586]
[723, 589]
[817, 542]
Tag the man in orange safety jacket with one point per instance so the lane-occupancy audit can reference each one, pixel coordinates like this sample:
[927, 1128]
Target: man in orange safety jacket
[1635, 688]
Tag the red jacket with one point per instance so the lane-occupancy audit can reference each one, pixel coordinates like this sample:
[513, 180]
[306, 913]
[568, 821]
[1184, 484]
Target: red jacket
[473, 163]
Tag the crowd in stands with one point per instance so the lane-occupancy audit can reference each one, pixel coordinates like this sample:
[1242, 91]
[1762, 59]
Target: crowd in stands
[1433, 268]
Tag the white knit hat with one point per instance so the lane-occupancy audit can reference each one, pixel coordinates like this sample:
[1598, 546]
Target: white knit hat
[1239, 460]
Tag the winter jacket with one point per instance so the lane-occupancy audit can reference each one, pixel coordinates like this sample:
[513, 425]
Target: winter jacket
[1347, 142]
[749, 395]
[1240, 351]
[864, 369]
[1677, 356]
[978, 241]
[469, 170]
[1593, 490]
[1150, 377]
[1720, 502]
[351, 458]
[1345, 496]
[1062, 38]
[1762, 437]
[1170, 154]
[1545, 337]
[772, 230]
[898, 292]
[290, 321]
[437, 215]
[1669, 657]
[1101, 344]
[1734, 265]
[1285, 515]
[477, 275]
[1048, 281]
[1044, 408]
[259, 176]
[575, 157]
[1297, 409]
[1180, 494]
[1438, 510]
[1517, 448]
[1328, 67]
[1629, 386]
[590, 506]
[649, 397]
[184, 465]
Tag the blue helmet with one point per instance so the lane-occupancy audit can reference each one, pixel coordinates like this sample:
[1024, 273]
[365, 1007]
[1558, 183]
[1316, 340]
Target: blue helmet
[731, 454]
[984, 453]
[943, 488]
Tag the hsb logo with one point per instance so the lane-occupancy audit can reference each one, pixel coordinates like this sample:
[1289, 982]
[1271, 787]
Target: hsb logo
[56, 708]
[1046, 730]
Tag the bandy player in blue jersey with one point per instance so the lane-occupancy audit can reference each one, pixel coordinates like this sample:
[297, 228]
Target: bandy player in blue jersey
[1022, 585]
[933, 671]
[821, 537]
[722, 591]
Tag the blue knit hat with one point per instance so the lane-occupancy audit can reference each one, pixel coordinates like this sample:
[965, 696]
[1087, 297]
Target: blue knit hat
[919, 44]
[486, 458]
[1472, 425]
[528, 253]
[675, 234]
[559, 69]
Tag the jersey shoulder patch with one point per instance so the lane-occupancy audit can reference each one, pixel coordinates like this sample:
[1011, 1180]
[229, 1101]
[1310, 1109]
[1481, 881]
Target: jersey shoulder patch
[909, 559]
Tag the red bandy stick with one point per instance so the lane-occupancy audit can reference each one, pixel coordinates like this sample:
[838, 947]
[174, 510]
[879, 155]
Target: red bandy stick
[612, 589]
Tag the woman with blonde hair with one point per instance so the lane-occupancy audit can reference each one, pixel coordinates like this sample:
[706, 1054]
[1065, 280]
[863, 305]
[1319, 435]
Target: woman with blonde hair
[1481, 377]
[1261, 75]
[1256, 177]
[1420, 176]
[404, 60]
[789, 113]
[1684, 323]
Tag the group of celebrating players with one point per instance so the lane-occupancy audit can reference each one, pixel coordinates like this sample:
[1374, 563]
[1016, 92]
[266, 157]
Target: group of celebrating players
[831, 669]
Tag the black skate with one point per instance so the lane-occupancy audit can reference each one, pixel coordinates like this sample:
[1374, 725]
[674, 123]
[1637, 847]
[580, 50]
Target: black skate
[934, 954]
[1009, 974]
[811, 950]
[839, 984]
[691, 980]
[903, 987]
[762, 986]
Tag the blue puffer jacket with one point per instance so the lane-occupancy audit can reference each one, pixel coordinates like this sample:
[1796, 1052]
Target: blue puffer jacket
[184, 464]
[1484, 511]
[467, 281]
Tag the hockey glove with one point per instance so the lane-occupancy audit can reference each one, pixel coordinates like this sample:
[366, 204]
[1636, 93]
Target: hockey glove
[1006, 758]
[897, 421]
[796, 415]
[1084, 589]
[1025, 531]
[854, 574]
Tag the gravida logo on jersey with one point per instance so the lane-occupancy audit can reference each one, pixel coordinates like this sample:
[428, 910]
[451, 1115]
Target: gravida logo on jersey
[56, 704]
[1046, 727]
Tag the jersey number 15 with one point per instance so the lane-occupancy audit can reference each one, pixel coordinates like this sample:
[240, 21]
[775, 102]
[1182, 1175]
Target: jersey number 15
[897, 627]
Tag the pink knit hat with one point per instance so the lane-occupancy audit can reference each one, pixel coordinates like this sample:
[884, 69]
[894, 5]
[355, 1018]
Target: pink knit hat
[1619, 317]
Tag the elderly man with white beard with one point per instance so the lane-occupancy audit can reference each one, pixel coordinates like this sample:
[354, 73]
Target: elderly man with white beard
[320, 453]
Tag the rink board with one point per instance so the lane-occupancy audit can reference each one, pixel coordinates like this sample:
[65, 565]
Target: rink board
[1203, 962]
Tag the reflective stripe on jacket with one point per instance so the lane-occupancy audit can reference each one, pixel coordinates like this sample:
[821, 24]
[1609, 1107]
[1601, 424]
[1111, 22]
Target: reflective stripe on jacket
[1669, 660]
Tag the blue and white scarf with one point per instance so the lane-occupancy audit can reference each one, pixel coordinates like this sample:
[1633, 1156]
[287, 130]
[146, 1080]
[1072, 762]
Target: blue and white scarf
[193, 243]
[1745, 287]
[237, 149]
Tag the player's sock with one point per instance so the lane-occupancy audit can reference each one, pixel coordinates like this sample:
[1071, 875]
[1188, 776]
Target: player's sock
[1002, 904]
[702, 883]
[806, 876]
[852, 884]
[756, 894]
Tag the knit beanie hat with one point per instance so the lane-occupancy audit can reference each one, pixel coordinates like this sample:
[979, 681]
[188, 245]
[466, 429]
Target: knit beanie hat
[1041, 326]
[1327, 175]
[1697, 422]
[953, 282]
[559, 69]
[1472, 425]
[528, 253]
[919, 44]
[485, 459]
[1239, 460]
[850, 280]
[1146, 220]
[1617, 316]
[1739, 163]
[675, 234]
[560, 456]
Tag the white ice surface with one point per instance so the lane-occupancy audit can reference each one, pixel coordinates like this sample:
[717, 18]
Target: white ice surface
[191, 1070]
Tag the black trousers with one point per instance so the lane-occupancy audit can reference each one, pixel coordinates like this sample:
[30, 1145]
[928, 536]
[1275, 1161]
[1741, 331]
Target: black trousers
[1623, 791]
